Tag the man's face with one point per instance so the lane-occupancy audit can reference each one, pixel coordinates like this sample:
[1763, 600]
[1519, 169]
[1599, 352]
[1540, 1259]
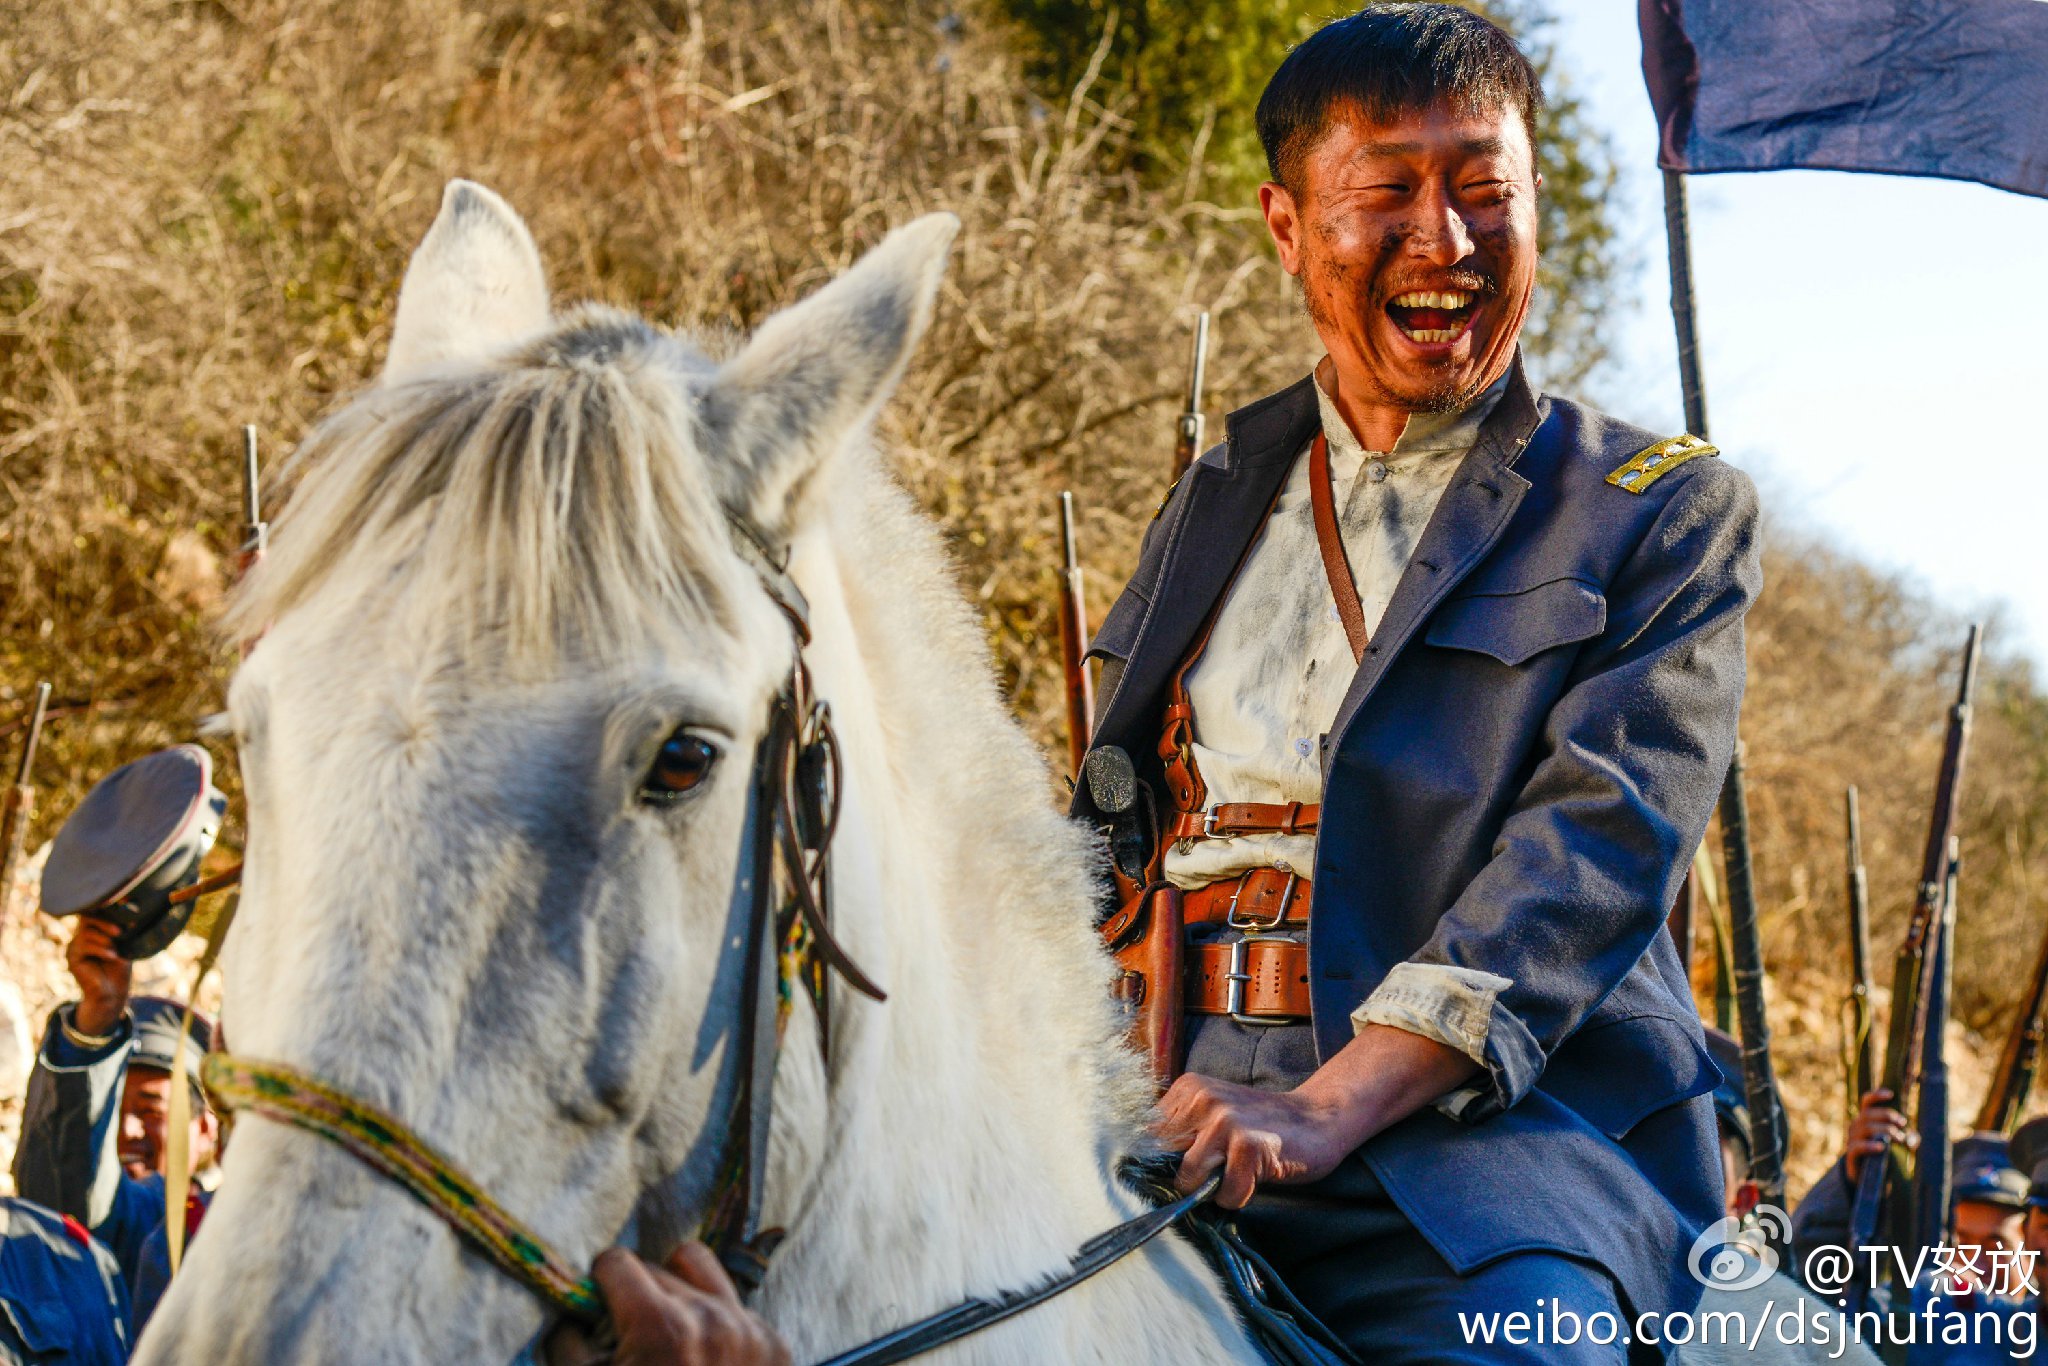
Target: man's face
[2034, 1235]
[145, 1119]
[1415, 244]
[1985, 1227]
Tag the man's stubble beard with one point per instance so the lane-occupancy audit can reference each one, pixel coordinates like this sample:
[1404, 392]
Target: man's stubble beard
[1446, 394]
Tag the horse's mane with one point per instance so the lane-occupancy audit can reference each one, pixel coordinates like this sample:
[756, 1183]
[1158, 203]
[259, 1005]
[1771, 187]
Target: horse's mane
[550, 501]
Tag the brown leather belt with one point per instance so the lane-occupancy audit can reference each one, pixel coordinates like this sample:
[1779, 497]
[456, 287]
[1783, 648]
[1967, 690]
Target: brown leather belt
[1262, 977]
[1245, 818]
[1263, 899]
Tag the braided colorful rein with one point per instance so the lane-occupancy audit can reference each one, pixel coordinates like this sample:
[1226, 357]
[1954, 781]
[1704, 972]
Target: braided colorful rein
[382, 1142]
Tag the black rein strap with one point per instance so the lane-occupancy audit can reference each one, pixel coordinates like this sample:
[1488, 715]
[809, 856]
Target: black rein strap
[971, 1316]
[792, 815]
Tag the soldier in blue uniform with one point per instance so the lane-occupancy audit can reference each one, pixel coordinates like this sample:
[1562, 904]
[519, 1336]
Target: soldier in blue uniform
[1987, 1193]
[61, 1297]
[1434, 681]
[93, 1131]
[2029, 1152]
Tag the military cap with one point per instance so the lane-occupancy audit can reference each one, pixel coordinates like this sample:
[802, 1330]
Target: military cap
[138, 836]
[2029, 1151]
[157, 1022]
[1981, 1170]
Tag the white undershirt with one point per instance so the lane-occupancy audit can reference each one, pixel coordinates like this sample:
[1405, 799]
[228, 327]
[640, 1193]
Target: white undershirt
[1278, 665]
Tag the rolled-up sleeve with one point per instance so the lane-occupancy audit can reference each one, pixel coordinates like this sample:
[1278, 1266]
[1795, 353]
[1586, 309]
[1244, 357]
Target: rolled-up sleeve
[1633, 757]
[1453, 1006]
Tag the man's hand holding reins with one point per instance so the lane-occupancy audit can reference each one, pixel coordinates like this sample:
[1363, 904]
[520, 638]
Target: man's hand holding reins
[683, 1313]
[1292, 1137]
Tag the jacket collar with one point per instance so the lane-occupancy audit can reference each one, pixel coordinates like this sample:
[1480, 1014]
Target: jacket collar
[1224, 508]
[1276, 427]
[1273, 429]
[1469, 519]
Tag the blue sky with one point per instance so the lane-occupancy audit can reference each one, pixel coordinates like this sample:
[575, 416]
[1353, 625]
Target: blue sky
[1875, 347]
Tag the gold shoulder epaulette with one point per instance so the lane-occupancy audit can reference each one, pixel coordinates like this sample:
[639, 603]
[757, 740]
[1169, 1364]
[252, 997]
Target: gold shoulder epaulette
[1169, 494]
[1646, 467]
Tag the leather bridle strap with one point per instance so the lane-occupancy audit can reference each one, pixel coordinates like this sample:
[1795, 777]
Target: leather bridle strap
[386, 1144]
[1322, 501]
[792, 814]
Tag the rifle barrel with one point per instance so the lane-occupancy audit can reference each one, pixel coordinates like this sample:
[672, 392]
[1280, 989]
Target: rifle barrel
[1187, 442]
[1931, 1163]
[17, 803]
[1760, 1083]
[2019, 1057]
[38, 710]
[1074, 641]
[1913, 968]
[252, 498]
[1863, 1047]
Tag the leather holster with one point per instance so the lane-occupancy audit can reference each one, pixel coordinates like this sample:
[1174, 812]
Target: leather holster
[1147, 938]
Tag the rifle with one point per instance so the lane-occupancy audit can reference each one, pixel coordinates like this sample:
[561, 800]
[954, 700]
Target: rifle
[1187, 442]
[1724, 971]
[1862, 1053]
[2020, 1056]
[19, 802]
[1759, 1083]
[255, 531]
[1905, 1035]
[1074, 643]
[1931, 1162]
[1684, 914]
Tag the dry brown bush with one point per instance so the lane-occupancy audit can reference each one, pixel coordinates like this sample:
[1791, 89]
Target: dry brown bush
[207, 210]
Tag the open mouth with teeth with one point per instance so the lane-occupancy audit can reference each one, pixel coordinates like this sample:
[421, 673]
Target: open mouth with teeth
[1433, 317]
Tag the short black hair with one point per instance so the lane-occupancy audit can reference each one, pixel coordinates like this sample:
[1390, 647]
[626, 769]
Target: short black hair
[1392, 59]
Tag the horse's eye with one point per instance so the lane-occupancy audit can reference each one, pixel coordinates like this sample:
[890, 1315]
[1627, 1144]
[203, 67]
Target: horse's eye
[684, 762]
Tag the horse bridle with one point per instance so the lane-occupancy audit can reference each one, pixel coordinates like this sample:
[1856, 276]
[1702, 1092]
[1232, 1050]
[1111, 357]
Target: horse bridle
[792, 816]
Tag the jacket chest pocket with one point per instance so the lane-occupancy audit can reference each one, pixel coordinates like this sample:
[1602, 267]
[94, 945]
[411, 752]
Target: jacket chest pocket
[1515, 625]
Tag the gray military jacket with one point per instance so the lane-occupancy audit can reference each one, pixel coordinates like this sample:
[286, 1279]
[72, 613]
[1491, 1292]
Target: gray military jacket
[1523, 765]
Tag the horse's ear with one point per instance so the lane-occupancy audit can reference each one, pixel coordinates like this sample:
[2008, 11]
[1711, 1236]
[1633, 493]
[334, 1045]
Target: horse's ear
[817, 372]
[475, 284]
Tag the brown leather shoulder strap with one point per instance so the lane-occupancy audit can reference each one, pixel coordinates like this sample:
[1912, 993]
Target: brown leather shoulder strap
[1336, 567]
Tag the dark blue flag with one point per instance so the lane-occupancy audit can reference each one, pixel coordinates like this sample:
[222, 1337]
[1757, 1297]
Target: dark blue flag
[1952, 88]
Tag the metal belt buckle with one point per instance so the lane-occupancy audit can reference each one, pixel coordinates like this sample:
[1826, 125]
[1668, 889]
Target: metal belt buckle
[1252, 922]
[1239, 978]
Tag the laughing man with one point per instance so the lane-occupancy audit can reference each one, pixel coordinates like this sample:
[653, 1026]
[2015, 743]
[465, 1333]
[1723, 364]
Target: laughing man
[1436, 678]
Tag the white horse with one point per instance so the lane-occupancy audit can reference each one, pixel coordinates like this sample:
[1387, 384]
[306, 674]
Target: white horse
[505, 582]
